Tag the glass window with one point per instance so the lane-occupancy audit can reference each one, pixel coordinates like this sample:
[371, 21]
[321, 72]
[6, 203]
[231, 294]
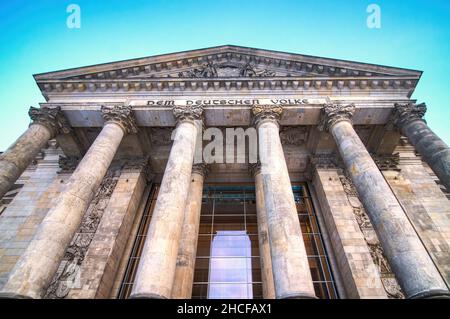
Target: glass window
[228, 261]
[133, 262]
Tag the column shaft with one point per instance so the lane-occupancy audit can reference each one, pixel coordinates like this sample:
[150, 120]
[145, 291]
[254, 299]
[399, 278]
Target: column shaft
[187, 252]
[263, 237]
[291, 273]
[47, 123]
[432, 149]
[35, 268]
[156, 270]
[19, 155]
[407, 256]
[408, 118]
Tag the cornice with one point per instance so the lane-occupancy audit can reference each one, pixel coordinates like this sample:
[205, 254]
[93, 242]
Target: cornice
[55, 86]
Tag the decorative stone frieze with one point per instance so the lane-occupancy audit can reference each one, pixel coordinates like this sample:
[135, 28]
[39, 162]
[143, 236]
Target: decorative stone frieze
[295, 136]
[122, 115]
[266, 112]
[324, 161]
[390, 284]
[67, 164]
[188, 113]
[333, 113]
[68, 274]
[387, 162]
[161, 136]
[51, 118]
[226, 69]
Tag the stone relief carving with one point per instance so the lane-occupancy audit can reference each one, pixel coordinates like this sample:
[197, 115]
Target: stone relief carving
[161, 136]
[390, 284]
[387, 162]
[67, 164]
[334, 113]
[68, 273]
[324, 161]
[290, 135]
[122, 115]
[407, 113]
[226, 69]
[52, 118]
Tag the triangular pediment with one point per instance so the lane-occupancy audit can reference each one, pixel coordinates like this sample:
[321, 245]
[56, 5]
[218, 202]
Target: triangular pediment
[228, 62]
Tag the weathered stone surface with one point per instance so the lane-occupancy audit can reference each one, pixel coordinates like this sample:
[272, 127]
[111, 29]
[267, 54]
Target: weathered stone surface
[187, 252]
[408, 118]
[98, 269]
[406, 254]
[37, 265]
[47, 122]
[263, 237]
[163, 237]
[388, 279]
[360, 276]
[291, 274]
[425, 204]
[20, 220]
[69, 274]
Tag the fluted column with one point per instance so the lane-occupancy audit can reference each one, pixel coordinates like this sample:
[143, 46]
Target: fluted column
[187, 252]
[408, 119]
[36, 267]
[47, 123]
[263, 235]
[408, 258]
[156, 271]
[291, 273]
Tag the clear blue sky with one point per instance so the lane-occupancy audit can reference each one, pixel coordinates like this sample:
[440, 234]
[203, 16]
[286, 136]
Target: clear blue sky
[34, 38]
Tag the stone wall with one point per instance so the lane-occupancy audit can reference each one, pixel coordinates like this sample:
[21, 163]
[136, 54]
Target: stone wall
[20, 220]
[89, 266]
[360, 276]
[99, 268]
[426, 206]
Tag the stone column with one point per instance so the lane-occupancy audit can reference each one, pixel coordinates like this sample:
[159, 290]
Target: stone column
[291, 273]
[156, 270]
[263, 235]
[47, 123]
[408, 119]
[187, 252]
[36, 267]
[360, 276]
[406, 254]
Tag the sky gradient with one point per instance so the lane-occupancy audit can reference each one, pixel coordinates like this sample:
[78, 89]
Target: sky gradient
[34, 38]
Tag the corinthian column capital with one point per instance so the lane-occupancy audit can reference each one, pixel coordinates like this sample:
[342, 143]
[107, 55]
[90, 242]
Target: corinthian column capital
[121, 115]
[266, 112]
[51, 118]
[188, 113]
[407, 113]
[334, 113]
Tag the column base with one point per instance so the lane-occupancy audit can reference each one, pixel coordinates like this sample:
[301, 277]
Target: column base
[147, 296]
[298, 295]
[12, 295]
[432, 294]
